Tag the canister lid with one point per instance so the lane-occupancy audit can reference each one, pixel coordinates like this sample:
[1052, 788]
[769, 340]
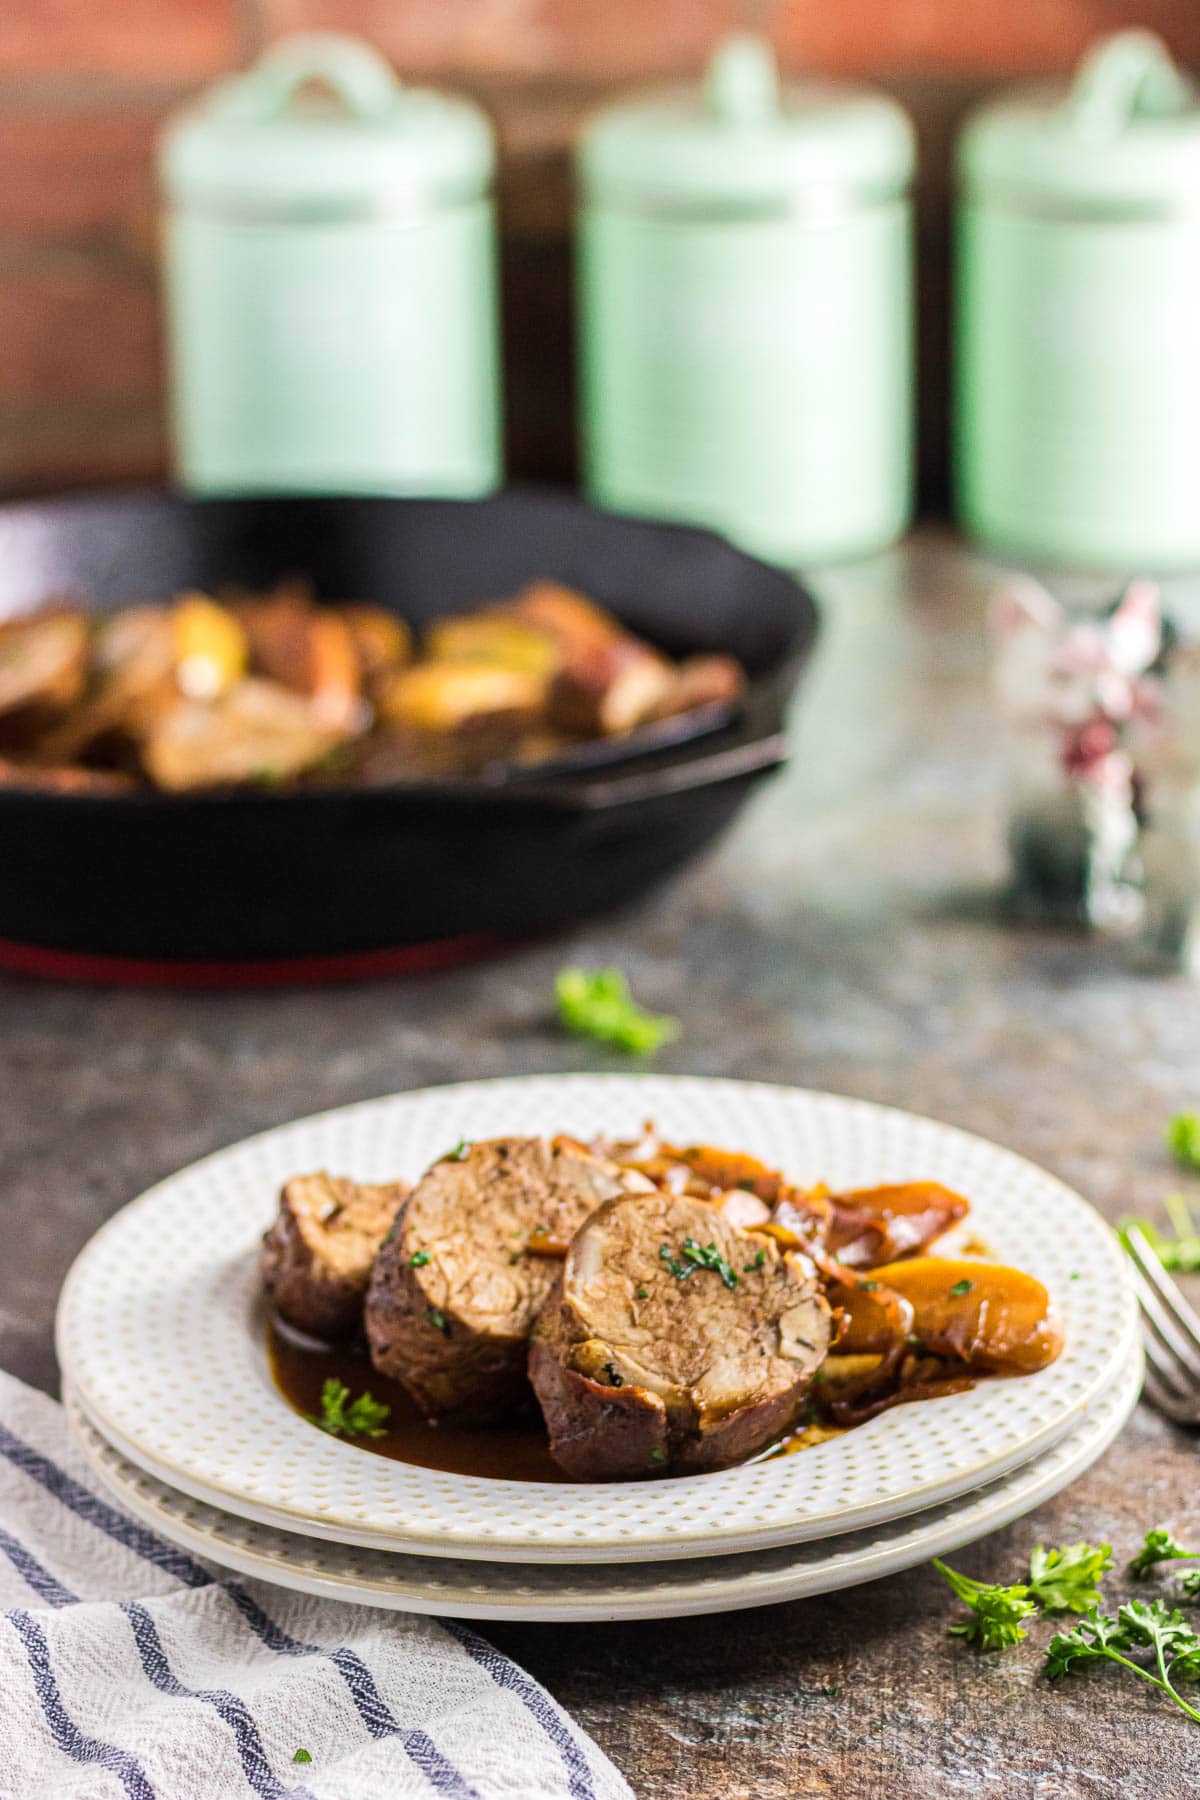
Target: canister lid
[321, 124]
[744, 140]
[1122, 139]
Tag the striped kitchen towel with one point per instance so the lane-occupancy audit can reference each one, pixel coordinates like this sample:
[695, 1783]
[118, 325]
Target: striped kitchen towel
[130, 1669]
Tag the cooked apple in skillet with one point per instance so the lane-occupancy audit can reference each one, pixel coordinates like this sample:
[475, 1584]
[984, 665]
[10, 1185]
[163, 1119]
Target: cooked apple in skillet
[669, 1308]
[219, 691]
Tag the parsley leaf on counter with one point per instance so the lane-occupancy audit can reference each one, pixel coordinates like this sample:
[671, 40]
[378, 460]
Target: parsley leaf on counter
[1180, 1253]
[996, 1611]
[1067, 1580]
[302, 1756]
[597, 1003]
[1159, 1546]
[1183, 1139]
[1136, 1628]
[363, 1417]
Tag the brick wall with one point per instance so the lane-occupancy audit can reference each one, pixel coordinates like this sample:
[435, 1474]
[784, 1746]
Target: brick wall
[84, 85]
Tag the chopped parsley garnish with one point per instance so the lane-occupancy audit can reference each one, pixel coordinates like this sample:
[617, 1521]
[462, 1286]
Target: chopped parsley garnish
[696, 1256]
[459, 1152]
[615, 1378]
[596, 1003]
[758, 1262]
[418, 1259]
[870, 1287]
[437, 1319]
[658, 1456]
[363, 1417]
[961, 1287]
[302, 1756]
[643, 1293]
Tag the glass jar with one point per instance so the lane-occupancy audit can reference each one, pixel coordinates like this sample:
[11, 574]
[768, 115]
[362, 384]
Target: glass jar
[1078, 345]
[745, 310]
[331, 281]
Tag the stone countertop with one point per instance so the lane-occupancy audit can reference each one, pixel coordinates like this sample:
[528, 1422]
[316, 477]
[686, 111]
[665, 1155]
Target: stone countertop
[844, 936]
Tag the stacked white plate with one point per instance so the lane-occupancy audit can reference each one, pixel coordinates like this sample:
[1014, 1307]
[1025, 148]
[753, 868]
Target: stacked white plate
[162, 1345]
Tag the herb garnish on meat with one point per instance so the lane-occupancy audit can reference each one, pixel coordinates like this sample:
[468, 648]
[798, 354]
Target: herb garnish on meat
[696, 1256]
[437, 1319]
[961, 1287]
[363, 1417]
[418, 1259]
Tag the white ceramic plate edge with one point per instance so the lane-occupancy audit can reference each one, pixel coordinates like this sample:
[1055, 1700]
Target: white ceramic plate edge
[960, 1522]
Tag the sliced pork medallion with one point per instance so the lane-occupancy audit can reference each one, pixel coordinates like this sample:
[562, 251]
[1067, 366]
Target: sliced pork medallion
[317, 1257]
[674, 1341]
[472, 1257]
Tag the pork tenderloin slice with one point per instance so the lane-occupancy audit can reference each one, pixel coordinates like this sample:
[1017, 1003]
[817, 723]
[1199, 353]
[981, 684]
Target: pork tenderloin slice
[673, 1329]
[457, 1285]
[317, 1257]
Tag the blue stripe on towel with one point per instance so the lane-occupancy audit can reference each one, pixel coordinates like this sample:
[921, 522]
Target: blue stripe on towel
[46, 1586]
[506, 1674]
[373, 1710]
[233, 1710]
[63, 1729]
[85, 1505]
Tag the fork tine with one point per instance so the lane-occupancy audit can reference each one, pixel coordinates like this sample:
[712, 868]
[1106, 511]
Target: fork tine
[1165, 1328]
[1169, 1291]
[1166, 1366]
[1167, 1402]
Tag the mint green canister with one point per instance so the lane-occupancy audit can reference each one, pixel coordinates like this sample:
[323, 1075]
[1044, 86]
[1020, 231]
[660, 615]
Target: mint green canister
[331, 281]
[1078, 343]
[745, 310]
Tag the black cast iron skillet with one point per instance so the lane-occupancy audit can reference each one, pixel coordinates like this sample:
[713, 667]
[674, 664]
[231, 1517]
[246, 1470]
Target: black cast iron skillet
[334, 881]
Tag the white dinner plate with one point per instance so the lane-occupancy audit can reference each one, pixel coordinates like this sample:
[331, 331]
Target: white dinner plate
[160, 1333]
[475, 1590]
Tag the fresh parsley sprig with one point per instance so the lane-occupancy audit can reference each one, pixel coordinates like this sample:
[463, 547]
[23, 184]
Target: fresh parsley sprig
[1180, 1253]
[1062, 1580]
[1068, 1580]
[996, 1612]
[363, 1417]
[1138, 1627]
[1159, 1546]
[1183, 1139]
[596, 1003]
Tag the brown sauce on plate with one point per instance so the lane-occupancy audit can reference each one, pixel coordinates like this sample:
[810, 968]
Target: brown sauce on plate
[514, 1449]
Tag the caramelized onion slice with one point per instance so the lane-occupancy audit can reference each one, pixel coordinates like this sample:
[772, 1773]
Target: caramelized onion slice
[984, 1314]
[872, 1226]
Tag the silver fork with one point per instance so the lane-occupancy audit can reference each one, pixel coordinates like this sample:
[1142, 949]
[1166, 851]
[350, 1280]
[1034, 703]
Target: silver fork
[1171, 1334]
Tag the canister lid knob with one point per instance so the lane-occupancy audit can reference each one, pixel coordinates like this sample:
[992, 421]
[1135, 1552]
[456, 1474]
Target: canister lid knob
[742, 84]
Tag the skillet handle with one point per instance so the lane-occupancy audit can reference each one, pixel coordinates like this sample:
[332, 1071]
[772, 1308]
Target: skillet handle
[730, 762]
